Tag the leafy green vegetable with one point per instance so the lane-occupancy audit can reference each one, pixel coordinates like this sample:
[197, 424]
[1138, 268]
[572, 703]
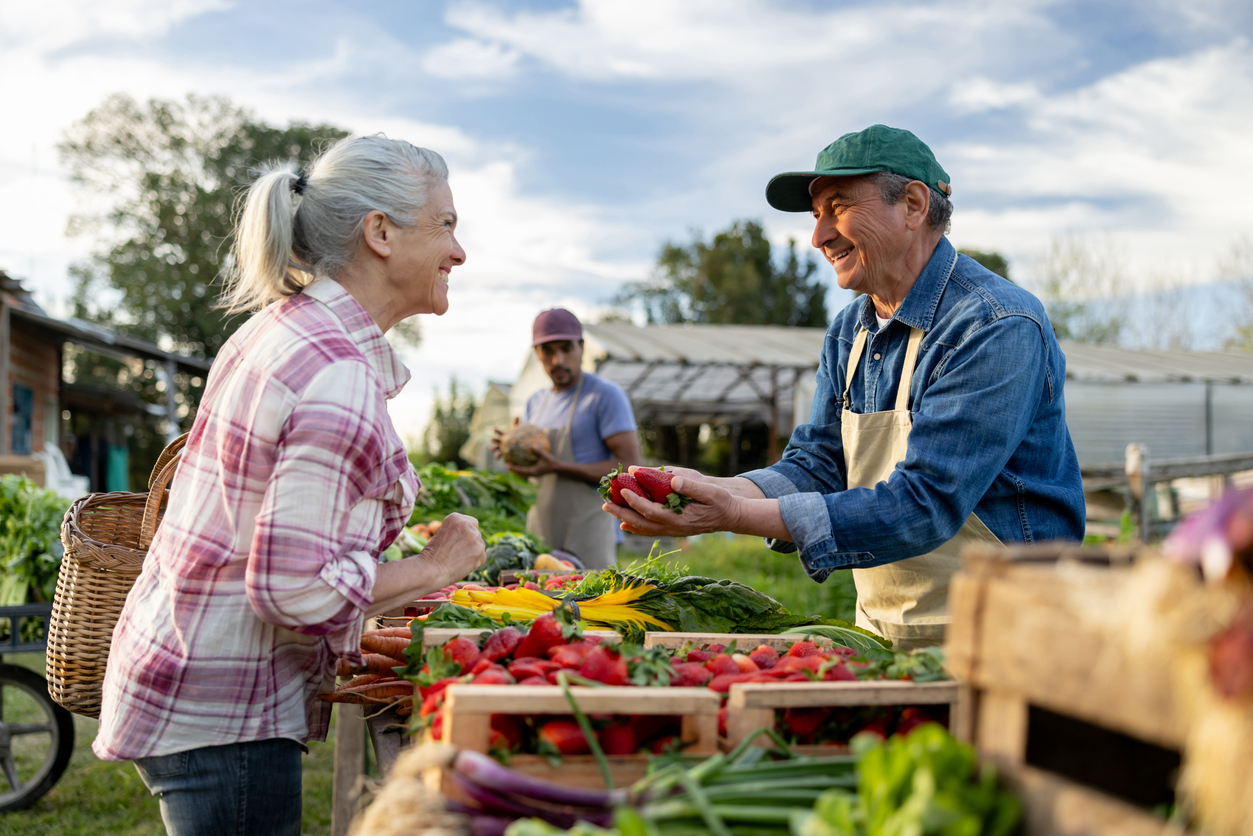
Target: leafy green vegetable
[30, 545]
[499, 501]
[921, 783]
[506, 552]
[867, 644]
[455, 615]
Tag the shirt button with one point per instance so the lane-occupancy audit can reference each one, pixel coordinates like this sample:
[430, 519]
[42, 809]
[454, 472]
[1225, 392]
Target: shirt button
[876, 355]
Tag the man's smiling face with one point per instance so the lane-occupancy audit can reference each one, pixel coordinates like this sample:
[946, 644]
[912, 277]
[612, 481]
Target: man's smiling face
[860, 235]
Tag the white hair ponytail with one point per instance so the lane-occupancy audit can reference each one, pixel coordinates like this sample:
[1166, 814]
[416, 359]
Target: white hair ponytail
[293, 228]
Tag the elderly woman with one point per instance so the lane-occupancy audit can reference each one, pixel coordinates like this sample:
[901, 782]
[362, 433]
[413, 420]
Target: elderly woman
[292, 482]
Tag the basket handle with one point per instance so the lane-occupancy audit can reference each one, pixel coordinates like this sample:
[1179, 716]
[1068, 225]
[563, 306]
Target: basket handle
[168, 453]
[162, 473]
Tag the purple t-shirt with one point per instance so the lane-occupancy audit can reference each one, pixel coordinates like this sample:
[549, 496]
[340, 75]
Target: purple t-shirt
[603, 410]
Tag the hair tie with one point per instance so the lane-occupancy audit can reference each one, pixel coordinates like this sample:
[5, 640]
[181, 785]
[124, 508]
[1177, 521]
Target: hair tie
[298, 185]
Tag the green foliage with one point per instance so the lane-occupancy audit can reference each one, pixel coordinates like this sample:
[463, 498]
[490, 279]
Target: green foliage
[1081, 279]
[30, 545]
[507, 552]
[733, 279]
[164, 177]
[921, 783]
[449, 427]
[993, 261]
[749, 561]
[498, 500]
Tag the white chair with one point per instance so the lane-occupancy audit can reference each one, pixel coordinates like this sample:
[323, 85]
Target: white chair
[58, 476]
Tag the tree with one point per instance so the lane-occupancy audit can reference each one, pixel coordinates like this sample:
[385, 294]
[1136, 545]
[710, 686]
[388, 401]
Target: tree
[993, 261]
[1237, 267]
[449, 427]
[1081, 283]
[733, 279]
[170, 173]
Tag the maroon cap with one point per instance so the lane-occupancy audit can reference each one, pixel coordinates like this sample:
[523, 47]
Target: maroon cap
[555, 324]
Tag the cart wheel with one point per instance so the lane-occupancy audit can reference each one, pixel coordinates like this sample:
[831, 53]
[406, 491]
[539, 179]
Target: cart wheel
[36, 738]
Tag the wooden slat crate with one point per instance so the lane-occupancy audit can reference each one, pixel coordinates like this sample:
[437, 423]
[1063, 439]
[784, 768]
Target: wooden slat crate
[1073, 718]
[751, 705]
[468, 710]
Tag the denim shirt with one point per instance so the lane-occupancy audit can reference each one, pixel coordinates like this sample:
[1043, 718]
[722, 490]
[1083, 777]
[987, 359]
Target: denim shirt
[989, 431]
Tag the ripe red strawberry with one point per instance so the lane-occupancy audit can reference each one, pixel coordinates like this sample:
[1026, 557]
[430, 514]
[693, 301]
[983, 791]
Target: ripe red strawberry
[722, 663]
[687, 674]
[495, 675]
[745, 664]
[462, 651]
[619, 739]
[501, 643]
[723, 682]
[613, 483]
[545, 632]
[805, 722]
[656, 483]
[570, 655]
[803, 649]
[764, 656]
[605, 666]
[565, 737]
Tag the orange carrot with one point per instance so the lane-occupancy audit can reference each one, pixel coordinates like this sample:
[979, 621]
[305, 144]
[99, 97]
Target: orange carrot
[395, 632]
[380, 690]
[393, 646]
[356, 682]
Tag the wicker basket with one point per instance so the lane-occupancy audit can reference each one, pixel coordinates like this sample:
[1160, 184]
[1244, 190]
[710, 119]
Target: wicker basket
[106, 536]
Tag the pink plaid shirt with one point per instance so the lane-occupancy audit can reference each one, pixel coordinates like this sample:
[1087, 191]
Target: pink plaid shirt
[292, 482]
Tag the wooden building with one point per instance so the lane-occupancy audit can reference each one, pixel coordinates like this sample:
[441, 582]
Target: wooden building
[37, 403]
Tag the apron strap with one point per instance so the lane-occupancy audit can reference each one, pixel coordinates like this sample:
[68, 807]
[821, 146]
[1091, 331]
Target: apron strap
[854, 357]
[907, 370]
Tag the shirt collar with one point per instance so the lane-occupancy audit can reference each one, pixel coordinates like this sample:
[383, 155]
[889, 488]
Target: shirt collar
[918, 309]
[364, 331]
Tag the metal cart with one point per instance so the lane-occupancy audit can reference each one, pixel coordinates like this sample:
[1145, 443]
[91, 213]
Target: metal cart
[36, 734]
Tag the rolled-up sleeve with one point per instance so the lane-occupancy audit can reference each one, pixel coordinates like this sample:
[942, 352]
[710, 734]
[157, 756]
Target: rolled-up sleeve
[305, 573]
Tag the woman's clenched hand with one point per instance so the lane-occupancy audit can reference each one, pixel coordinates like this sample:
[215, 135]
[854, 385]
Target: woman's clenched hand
[456, 550]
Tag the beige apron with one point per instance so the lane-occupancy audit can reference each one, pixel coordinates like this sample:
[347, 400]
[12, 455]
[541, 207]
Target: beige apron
[905, 601]
[567, 512]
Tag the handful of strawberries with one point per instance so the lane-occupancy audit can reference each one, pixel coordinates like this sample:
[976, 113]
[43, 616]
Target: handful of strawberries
[649, 482]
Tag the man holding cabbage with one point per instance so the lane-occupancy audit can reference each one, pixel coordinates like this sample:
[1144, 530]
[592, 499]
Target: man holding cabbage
[938, 417]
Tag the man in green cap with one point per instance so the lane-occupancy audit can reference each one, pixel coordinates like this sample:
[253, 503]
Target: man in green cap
[938, 417]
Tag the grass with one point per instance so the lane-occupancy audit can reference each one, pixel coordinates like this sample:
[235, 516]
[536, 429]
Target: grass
[747, 560]
[95, 796]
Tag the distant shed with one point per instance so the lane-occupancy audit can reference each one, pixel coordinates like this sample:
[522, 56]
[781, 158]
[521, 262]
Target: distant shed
[1179, 403]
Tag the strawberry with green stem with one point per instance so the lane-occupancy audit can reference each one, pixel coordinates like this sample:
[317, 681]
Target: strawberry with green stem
[613, 483]
[656, 484]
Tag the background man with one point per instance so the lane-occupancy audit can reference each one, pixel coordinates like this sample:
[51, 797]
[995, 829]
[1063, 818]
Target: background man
[591, 429]
[938, 417]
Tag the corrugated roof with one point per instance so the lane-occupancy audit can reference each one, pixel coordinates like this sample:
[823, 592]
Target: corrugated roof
[1099, 362]
[740, 345]
[769, 345]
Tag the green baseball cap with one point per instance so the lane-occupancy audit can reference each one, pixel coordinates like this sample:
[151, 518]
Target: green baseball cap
[877, 148]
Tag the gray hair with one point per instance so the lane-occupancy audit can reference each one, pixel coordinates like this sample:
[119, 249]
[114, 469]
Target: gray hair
[294, 228]
[892, 190]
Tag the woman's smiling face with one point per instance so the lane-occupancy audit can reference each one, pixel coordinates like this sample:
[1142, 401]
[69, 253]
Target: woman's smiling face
[426, 252]
[860, 235]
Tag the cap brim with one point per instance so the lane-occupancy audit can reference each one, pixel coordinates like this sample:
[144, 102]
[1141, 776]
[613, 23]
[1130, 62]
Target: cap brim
[789, 192]
[555, 338]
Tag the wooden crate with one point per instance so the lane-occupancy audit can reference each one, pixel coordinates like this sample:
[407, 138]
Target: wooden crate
[1074, 718]
[752, 705]
[468, 710]
[743, 641]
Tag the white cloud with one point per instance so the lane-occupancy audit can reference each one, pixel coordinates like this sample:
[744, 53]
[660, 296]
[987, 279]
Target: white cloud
[981, 94]
[467, 58]
[55, 24]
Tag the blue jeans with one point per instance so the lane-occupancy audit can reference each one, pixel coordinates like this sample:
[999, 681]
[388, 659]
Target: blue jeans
[240, 789]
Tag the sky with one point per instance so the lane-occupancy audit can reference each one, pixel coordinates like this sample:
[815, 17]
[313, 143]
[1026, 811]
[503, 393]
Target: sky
[582, 136]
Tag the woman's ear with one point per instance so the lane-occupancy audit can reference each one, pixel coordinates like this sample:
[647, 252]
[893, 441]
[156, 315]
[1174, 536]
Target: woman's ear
[377, 232]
